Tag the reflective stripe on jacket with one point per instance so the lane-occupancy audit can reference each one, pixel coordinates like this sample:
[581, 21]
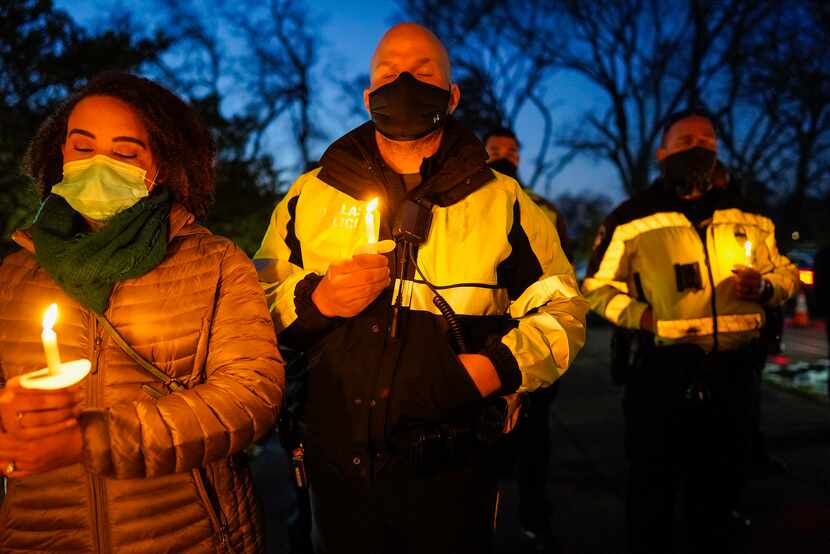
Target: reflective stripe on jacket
[649, 253]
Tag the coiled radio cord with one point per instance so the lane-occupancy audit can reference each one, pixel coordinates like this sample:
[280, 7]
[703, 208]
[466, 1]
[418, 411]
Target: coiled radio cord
[441, 303]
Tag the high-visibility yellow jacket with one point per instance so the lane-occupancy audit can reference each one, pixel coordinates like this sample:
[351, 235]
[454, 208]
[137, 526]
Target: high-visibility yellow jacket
[552, 212]
[491, 252]
[549, 208]
[650, 253]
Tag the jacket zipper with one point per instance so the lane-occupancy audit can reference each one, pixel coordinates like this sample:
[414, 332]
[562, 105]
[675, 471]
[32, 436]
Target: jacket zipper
[704, 235]
[96, 484]
[212, 510]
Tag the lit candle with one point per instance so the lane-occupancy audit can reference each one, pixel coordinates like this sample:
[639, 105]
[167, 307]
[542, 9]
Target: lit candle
[371, 221]
[748, 253]
[50, 340]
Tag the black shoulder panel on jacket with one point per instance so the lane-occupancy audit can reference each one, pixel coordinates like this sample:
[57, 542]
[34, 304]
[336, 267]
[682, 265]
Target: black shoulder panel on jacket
[521, 268]
[291, 239]
[352, 164]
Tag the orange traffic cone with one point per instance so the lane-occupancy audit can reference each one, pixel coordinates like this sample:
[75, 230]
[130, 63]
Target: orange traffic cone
[801, 317]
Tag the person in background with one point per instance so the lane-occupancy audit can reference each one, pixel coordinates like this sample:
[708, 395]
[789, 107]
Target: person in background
[529, 446]
[123, 461]
[690, 264]
[504, 155]
[408, 361]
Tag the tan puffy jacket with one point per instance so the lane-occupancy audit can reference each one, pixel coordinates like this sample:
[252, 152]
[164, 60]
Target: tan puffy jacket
[201, 317]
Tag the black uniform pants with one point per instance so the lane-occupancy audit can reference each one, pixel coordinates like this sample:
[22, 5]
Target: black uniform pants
[533, 436]
[448, 512]
[677, 442]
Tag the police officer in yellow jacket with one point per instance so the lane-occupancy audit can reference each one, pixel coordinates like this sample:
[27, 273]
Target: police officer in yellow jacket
[692, 265]
[406, 351]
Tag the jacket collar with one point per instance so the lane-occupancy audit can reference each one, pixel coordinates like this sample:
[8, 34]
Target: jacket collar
[354, 166]
[180, 225]
[701, 209]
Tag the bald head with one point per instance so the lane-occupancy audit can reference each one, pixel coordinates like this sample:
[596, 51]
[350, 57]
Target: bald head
[409, 47]
[413, 48]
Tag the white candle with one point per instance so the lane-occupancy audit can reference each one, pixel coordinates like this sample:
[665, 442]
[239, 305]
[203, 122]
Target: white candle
[50, 340]
[748, 253]
[371, 221]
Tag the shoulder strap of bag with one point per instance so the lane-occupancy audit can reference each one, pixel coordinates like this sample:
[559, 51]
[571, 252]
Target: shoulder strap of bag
[169, 383]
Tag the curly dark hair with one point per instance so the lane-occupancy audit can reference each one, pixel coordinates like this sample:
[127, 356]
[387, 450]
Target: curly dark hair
[182, 145]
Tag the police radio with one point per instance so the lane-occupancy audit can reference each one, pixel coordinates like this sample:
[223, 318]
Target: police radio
[413, 221]
[411, 229]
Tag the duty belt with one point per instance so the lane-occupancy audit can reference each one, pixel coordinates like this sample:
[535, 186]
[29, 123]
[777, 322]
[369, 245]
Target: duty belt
[431, 447]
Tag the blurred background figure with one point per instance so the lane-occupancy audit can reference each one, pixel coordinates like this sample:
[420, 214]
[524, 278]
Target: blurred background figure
[689, 263]
[504, 155]
[528, 448]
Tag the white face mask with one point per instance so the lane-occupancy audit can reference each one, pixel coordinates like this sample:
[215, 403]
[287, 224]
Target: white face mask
[100, 187]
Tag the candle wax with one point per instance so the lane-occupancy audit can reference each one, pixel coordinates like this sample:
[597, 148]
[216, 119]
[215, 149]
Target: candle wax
[50, 347]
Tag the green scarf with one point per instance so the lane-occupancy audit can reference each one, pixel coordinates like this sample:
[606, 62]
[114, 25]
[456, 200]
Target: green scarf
[87, 265]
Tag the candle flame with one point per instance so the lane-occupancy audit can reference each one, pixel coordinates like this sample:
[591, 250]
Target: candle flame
[748, 249]
[372, 205]
[50, 317]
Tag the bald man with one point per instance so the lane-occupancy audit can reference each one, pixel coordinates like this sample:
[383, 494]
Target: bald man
[425, 292]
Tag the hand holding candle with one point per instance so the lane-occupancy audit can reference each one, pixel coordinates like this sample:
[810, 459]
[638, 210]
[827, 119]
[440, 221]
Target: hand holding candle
[31, 413]
[351, 285]
[748, 280]
[39, 429]
[748, 284]
[57, 374]
[371, 220]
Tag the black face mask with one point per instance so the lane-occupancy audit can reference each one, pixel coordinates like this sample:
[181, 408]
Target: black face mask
[408, 109]
[689, 171]
[503, 165]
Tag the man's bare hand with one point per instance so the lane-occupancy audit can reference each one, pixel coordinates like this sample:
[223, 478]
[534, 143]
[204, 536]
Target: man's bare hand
[349, 286]
[748, 284]
[482, 372]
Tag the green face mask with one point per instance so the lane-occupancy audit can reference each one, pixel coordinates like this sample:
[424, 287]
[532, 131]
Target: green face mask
[100, 187]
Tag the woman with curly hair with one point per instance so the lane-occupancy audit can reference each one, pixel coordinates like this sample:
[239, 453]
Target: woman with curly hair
[147, 453]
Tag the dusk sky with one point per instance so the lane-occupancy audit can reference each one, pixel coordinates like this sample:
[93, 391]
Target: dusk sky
[350, 30]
